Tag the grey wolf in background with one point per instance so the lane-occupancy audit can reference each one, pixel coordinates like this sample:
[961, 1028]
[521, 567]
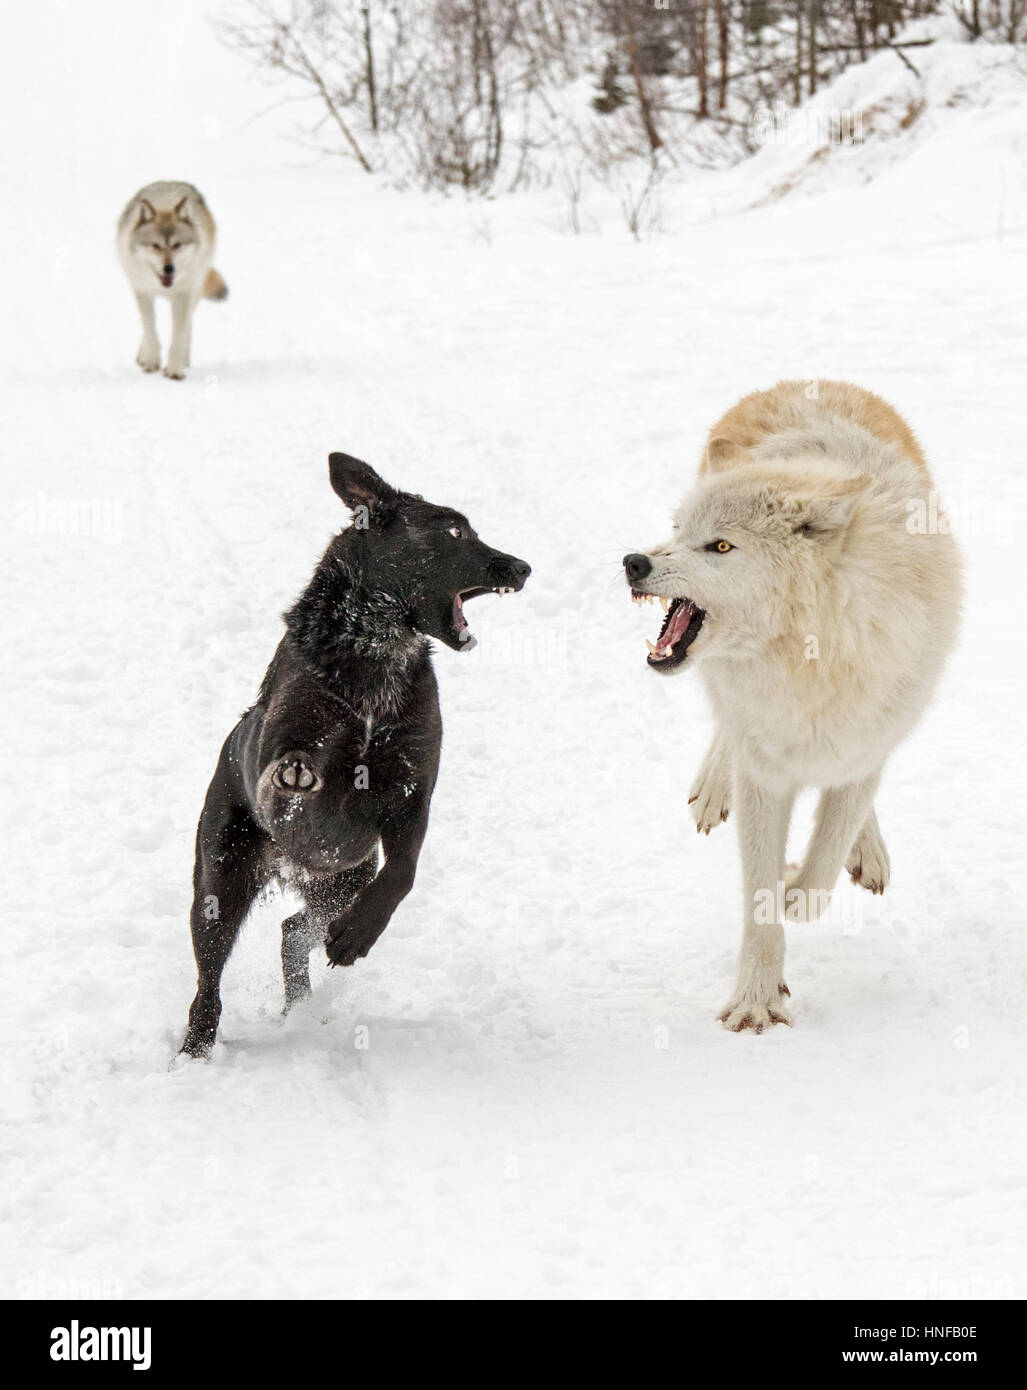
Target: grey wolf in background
[819, 613]
[166, 245]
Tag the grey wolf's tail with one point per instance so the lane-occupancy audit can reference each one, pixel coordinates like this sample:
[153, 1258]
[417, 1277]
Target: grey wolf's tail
[214, 286]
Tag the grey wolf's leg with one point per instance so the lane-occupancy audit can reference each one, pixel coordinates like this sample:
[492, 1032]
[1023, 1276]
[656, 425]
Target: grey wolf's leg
[182, 306]
[763, 816]
[841, 814]
[710, 796]
[868, 863]
[148, 355]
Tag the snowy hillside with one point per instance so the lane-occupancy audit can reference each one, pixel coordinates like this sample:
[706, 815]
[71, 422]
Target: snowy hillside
[544, 1106]
[881, 120]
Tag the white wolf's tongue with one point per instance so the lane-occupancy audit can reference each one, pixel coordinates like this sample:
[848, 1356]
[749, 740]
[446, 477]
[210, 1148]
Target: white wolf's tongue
[679, 621]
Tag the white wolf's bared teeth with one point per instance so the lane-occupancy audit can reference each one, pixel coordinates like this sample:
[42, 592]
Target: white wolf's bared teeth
[664, 603]
[653, 651]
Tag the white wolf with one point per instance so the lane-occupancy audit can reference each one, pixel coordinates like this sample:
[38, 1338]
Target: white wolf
[166, 245]
[819, 609]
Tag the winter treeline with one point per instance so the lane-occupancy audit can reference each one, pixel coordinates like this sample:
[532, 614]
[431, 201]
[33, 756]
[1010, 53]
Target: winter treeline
[484, 93]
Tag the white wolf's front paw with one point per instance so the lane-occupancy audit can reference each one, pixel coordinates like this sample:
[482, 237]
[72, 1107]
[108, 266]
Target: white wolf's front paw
[868, 863]
[708, 800]
[148, 355]
[756, 1009]
[174, 372]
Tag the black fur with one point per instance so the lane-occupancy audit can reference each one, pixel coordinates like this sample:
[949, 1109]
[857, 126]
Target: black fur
[341, 750]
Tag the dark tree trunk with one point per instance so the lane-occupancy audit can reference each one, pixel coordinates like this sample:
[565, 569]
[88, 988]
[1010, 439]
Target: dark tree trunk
[797, 77]
[372, 88]
[723, 50]
[644, 104]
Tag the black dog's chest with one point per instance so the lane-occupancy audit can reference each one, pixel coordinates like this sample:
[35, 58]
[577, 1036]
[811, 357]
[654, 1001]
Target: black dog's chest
[374, 764]
[335, 778]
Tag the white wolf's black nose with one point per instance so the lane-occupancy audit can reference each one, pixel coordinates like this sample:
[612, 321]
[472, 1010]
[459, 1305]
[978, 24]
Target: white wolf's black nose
[169, 270]
[636, 566]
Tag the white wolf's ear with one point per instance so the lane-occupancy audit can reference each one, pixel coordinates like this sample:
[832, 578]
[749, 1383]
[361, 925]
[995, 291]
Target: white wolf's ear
[357, 483]
[723, 453]
[181, 209]
[830, 507]
[147, 212]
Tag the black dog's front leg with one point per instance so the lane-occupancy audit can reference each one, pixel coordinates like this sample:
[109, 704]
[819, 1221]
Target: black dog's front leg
[352, 934]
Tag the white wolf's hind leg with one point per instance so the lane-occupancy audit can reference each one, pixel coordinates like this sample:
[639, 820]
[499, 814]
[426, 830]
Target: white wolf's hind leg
[868, 863]
[710, 795]
[148, 356]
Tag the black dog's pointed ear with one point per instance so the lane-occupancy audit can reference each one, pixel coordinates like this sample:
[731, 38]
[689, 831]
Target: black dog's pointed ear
[357, 483]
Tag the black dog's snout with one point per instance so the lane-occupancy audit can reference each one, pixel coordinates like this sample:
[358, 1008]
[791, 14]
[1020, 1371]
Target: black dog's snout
[506, 571]
[169, 270]
[636, 566]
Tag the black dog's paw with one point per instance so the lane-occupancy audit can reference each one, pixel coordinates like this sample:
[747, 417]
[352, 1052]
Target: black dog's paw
[199, 1042]
[350, 938]
[294, 775]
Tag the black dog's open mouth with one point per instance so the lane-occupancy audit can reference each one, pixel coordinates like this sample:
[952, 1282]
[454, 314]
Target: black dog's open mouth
[460, 627]
[680, 629]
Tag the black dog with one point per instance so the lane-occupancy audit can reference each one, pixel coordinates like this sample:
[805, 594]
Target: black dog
[341, 751]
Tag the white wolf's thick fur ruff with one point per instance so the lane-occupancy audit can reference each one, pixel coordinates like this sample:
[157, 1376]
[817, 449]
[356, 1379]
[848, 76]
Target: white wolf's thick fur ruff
[827, 624]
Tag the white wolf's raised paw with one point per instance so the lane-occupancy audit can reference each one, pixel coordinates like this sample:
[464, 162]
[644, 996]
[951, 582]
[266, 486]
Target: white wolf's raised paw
[148, 357]
[744, 1011]
[868, 864]
[708, 800]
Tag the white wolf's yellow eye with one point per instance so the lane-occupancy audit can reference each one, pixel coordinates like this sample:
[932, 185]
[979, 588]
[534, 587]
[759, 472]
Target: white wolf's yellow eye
[721, 547]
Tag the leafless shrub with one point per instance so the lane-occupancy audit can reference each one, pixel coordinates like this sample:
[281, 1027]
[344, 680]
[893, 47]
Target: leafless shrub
[471, 93]
[640, 204]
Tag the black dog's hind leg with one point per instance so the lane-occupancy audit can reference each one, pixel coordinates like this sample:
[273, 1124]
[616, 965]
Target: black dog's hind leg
[299, 933]
[229, 873]
[325, 899]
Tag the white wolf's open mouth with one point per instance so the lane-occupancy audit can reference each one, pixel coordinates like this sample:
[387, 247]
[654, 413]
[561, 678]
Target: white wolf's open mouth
[680, 629]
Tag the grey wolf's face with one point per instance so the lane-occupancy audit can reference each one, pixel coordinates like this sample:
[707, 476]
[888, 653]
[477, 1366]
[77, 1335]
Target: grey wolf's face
[746, 546]
[166, 241]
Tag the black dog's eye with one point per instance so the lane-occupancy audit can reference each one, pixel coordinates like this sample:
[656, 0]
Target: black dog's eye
[456, 531]
[720, 547]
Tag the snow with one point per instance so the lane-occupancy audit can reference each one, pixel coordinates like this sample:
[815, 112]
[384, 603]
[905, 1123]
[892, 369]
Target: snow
[522, 1091]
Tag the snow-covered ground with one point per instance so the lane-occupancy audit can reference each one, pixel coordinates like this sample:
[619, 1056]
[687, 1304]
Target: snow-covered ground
[544, 1105]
